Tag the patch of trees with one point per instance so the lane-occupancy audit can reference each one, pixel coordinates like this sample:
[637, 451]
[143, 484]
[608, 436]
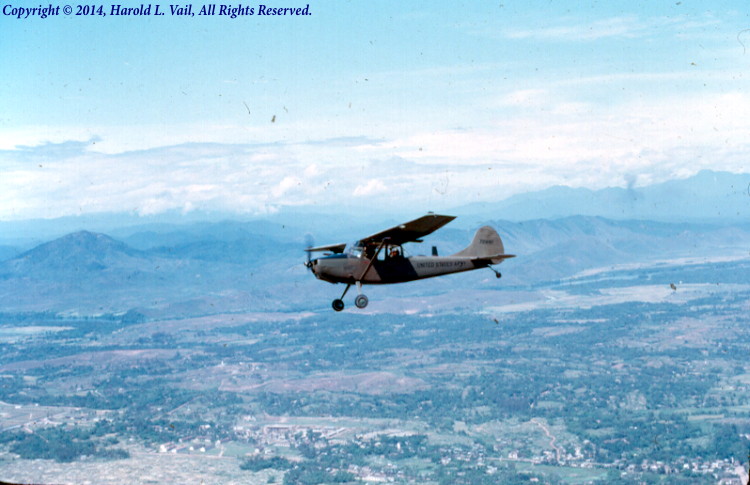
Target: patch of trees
[259, 463]
[473, 475]
[59, 444]
[727, 443]
[311, 473]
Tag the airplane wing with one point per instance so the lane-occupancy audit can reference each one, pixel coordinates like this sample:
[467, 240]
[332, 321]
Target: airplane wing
[409, 231]
[334, 248]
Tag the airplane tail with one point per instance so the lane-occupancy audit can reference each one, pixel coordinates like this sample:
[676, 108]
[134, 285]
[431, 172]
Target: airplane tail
[486, 245]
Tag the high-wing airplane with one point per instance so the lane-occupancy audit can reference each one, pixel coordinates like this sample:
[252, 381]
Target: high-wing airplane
[380, 259]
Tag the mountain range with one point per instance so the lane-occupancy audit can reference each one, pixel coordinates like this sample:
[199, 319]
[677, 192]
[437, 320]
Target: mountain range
[708, 196]
[232, 266]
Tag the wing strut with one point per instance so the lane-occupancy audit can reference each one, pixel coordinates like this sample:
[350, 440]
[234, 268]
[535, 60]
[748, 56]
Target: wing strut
[374, 256]
[361, 300]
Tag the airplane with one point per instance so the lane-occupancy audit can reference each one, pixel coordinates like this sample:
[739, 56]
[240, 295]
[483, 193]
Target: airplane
[380, 259]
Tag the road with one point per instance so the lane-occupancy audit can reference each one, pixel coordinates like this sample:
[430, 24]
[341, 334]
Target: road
[559, 451]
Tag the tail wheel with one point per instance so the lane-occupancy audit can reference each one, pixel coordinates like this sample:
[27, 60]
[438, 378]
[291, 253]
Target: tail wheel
[361, 301]
[338, 305]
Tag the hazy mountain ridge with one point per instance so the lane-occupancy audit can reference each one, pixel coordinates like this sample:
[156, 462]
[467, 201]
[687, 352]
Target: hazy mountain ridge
[239, 265]
[7, 252]
[85, 271]
[555, 249]
[706, 196]
[75, 253]
[174, 235]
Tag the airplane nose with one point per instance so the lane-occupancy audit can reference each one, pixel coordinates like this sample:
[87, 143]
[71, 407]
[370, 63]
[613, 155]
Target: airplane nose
[316, 268]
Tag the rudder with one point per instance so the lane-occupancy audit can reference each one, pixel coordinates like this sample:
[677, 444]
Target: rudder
[486, 244]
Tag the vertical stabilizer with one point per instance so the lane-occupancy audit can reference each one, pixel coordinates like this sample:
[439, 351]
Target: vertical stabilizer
[486, 244]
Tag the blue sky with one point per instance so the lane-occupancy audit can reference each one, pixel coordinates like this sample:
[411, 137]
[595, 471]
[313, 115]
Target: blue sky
[369, 105]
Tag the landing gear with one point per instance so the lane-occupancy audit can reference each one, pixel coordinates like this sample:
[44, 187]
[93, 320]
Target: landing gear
[361, 301]
[497, 273]
[338, 304]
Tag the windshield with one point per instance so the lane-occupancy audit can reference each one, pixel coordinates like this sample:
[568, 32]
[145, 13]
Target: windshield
[355, 249]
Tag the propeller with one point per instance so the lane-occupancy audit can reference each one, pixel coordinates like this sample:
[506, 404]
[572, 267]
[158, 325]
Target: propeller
[308, 244]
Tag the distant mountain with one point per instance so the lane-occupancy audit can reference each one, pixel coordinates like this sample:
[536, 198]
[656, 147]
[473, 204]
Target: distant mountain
[706, 196]
[73, 254]
[251, 251]
[86, 272]
[7, 252]
[226, 268]
[549, 250]
[31, 232]
[170, 235]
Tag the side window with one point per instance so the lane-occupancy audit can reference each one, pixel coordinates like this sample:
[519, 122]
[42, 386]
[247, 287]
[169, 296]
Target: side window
[390, 252]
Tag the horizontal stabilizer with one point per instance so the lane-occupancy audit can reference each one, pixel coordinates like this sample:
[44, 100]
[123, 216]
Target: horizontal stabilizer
[497, 258]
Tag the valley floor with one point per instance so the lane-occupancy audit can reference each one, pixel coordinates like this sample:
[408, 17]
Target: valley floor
[633, 374]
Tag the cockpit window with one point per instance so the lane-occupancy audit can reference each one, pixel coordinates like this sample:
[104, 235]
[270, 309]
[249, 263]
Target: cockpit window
[358, 250]
[355, 249]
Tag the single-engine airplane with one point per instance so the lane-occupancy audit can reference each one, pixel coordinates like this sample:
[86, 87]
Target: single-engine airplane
[379, 259]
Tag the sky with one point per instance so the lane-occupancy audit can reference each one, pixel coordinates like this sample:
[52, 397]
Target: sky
[365, 106]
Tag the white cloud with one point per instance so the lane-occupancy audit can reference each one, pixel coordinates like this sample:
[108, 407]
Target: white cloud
[372, 187]
[311, 171]
[525, 97]
[573, 29]
[287, 184]
[627, 27]
[527, 139]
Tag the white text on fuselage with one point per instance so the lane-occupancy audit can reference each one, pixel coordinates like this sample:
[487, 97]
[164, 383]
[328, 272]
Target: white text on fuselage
[441, 264]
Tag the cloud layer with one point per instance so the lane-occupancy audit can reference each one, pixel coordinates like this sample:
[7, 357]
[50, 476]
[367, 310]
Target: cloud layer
[364, 107]
[545, 140]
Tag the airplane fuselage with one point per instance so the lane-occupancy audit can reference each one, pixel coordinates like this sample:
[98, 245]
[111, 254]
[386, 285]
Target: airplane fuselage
[380, 259]
[345, 268]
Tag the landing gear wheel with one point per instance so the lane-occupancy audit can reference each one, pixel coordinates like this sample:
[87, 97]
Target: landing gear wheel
[361, 301]
[498, 275]
[338, 305]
